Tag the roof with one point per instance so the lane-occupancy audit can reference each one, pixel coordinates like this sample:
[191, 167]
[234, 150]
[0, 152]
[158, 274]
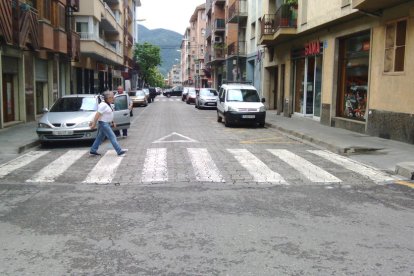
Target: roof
[195, 14]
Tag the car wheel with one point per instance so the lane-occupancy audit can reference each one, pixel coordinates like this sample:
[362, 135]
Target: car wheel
[226, 121]
[168, 95]
[218, 117]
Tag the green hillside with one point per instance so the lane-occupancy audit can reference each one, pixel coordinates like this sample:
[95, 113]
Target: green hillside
[168, 41]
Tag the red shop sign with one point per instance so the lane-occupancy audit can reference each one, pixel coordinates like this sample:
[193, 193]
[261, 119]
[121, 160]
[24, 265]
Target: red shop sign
[312, 48]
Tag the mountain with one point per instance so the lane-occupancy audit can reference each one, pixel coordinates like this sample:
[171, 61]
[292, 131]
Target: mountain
[168, 41]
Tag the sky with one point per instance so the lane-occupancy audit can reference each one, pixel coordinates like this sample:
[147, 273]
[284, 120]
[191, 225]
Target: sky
[172, 15]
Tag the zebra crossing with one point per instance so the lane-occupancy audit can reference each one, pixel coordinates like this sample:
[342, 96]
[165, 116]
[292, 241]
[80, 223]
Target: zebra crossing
[203, 167]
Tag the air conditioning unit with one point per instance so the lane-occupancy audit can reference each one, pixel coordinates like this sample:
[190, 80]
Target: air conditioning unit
[218, 39]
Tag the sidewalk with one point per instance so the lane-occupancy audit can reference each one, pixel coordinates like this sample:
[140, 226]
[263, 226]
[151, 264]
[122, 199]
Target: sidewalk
[387, 155]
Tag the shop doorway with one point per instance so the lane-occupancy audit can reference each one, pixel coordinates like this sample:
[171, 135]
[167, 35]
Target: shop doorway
[275, 74]
[8, 98]
[41, 92]
[308, 86]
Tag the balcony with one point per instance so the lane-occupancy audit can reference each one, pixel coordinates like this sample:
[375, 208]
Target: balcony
[236, 49]
[209, 5]
[95, 47]
[24, 29]
[108, 21]
[74, 46]
[60, 41]
[74, 4]
[208, 32]
[277, 27]
[375, 5]
[238, 12]
[219, 26]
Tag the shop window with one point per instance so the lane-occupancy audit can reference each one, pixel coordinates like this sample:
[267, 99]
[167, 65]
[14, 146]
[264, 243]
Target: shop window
[395, 39]
[353, 76]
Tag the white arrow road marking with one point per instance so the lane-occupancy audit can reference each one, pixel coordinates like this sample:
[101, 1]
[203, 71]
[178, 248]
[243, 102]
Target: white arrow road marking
[310, 171]
[155, 165]
[184, 140]
[20, 162]
[372, 173]
[105, 170]
[258, 169]
[57, 167]
[204, 167]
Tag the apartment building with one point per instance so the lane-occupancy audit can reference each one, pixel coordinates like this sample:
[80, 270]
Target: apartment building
[106, 29]
[197, 42]
[215, 36]
[37, 45]
[345, 63]
[174, 76]
[187, 75]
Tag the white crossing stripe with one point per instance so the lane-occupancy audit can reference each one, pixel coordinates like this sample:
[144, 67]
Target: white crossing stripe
[258, 169]
[105, 170]
[155, 166]
[309, 170]
[20, 162]
[204, 167]
[57, 167]
[372, 173]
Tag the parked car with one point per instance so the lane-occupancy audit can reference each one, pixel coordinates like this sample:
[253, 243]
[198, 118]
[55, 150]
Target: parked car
[175, 91]
[185, 92]
[146, 91]
[138, 98]
[191, 96]
[68, 118]
[158, 90]
[206, 98]
[240, 103]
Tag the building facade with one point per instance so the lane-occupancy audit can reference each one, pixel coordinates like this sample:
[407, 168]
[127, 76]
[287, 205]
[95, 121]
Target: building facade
[344, 63]
[37, 45]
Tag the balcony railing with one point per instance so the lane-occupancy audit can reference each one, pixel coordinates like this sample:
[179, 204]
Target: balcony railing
[285, 17]
[219, 25]
[237, 11]
[92, 36]
[74, 46]
[237, 49]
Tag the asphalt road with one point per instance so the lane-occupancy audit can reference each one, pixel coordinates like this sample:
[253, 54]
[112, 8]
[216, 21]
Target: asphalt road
[193, 197]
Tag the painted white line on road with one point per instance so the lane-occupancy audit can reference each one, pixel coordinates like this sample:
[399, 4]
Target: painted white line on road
[184, 139]
[372, 173]
[155, 166]
[258, 169]
[204, 167]
[309, 170]
[105, 170]
[20, 162]
[57, 167]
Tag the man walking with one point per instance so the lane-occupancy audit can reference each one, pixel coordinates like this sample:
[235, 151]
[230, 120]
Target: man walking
[105, 118]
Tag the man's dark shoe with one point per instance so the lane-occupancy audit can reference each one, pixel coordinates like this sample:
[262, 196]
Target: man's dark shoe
[122, 152]
[91, 153]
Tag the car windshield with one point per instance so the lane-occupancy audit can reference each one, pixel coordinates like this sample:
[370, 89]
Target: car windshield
[242, 95]
[73, 104]
[208, 92]
[132, 93]
[140, 93]
[192, 92]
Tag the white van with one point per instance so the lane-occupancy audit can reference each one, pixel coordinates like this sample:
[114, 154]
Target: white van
[240, 103]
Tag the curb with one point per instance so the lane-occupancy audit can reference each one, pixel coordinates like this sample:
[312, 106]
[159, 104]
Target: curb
[27, 146]
[405, 169]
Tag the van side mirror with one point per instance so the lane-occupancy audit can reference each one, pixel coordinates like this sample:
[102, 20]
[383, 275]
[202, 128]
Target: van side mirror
[263, 100]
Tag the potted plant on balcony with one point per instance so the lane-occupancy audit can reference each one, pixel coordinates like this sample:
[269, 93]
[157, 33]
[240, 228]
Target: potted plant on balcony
[292, 3]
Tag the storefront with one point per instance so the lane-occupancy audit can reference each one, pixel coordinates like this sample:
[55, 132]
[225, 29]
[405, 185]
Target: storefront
[10, 89]
[353, 76]
[307, 84]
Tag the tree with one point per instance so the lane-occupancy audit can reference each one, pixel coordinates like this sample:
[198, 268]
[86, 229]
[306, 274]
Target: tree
[148, 57]
[155, 77]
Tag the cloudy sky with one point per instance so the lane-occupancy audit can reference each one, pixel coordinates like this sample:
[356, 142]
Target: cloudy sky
[167, 14]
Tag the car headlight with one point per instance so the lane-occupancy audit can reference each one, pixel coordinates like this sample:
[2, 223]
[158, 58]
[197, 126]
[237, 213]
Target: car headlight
[262, 109]
[233, 109]
[84, 124]
[42, 125]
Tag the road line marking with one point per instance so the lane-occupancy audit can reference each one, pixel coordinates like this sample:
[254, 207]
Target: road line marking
[155, 166]
[20, 162]
[184, 140]
[405, 183]
[105, 170]
[57, 167]
[370, 172]
[204, 167]
[258, 169]
[309, 170]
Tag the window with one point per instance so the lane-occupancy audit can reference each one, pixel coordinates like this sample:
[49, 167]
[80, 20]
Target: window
[62, 17]
[395, 38]
[82, 27]
[47, 13]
